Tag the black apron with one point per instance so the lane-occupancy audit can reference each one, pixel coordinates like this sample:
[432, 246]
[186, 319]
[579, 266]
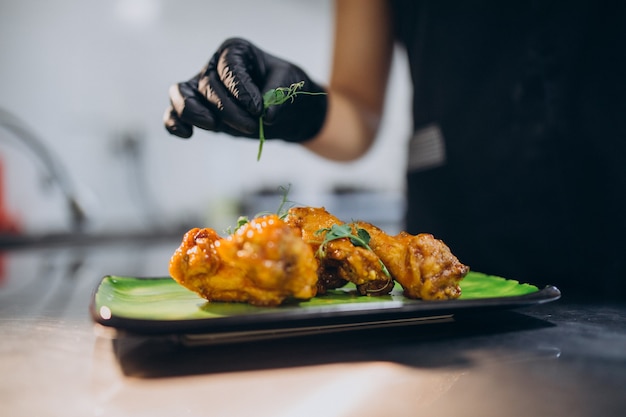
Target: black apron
[519, 156]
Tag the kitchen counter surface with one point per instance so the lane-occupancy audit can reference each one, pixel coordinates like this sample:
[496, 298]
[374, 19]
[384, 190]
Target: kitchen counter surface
[563, 358]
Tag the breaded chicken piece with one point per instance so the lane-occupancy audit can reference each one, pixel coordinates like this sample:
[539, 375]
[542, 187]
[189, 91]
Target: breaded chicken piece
[341, 261]
[423, 265]
[264, 263]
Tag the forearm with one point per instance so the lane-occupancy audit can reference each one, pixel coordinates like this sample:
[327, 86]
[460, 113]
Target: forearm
[340, 125]
[361, 61]
[349, 129]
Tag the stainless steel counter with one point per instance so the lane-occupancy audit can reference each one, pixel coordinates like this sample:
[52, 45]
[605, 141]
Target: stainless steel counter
[557, 359]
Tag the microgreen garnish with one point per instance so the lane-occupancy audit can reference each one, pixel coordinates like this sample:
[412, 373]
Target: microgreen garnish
[281, 212]
[337, 231]
[242, 220]
[276, 97]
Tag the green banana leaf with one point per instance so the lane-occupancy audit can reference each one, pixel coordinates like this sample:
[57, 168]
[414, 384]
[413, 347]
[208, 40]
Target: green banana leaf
[163, 299]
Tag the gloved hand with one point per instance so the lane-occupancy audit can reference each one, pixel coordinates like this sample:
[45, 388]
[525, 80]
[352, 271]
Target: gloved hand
[227, 96]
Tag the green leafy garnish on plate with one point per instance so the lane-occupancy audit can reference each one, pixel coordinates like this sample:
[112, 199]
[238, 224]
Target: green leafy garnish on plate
[281, 212]
[340, 231]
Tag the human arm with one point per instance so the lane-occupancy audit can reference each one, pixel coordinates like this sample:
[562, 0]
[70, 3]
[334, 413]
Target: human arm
[363, 48]
[226, 96]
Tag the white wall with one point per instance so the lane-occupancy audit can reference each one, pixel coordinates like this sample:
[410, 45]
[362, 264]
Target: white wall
[84, 73]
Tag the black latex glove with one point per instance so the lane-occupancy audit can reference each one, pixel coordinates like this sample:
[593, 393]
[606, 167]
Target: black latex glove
[227, 96]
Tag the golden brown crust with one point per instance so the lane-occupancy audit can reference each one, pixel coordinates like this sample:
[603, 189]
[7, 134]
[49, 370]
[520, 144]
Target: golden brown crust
[268, 261]
[423, 265]
[264, 263]
[340, 261]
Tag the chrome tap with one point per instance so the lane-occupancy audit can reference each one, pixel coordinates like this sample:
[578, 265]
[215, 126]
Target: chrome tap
[54, 166]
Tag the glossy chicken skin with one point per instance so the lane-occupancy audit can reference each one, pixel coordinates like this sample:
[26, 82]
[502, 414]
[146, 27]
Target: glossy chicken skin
[423, 265]
[265, 262]
[340, 261]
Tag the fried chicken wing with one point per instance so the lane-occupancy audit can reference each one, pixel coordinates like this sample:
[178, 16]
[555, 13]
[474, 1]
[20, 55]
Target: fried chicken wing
[268, 260]
[341, 261]
[423, 265]
[263, 263]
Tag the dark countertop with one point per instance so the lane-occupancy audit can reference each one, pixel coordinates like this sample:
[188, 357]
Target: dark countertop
[565, 358]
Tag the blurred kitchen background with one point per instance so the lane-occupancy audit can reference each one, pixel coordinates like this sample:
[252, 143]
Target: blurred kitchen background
[83, 88]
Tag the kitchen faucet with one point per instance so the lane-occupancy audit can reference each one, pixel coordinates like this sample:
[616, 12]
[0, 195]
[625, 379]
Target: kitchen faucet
[51, 163]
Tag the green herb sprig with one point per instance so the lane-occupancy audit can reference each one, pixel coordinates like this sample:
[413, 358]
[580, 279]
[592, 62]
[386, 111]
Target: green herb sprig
[281, 212]
[242, 220]
[276, 97]
[336, 231]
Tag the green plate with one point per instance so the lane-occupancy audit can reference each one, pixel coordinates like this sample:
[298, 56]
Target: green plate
[161, 306]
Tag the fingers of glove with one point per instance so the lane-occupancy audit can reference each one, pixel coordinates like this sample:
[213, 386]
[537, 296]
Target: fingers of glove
[238, 64]
[273, 113]
[228, 108]
[176, 126]
[191, 107]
